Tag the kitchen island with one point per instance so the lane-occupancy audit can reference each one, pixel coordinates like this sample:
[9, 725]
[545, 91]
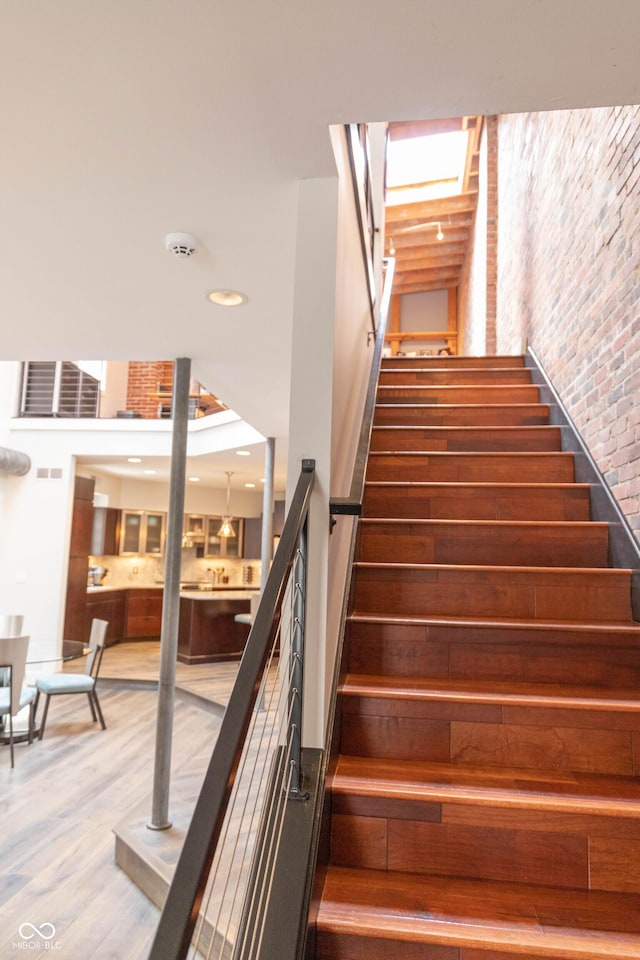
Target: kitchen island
[208, 630]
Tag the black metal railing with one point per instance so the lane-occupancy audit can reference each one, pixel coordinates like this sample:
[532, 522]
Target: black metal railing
[254, 773]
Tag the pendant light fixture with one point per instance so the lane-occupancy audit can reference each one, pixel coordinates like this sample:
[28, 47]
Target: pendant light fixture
[226, 527]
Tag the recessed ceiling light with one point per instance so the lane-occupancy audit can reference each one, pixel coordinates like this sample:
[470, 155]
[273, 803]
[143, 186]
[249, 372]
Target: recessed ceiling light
[243, 453]
[226, 298]
[249, 484]
[134, 459]
[149, 471]
[194, 479]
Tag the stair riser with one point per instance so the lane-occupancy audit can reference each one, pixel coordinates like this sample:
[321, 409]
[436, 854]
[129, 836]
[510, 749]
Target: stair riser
[459, 394]
[517, 545]
[337, 946]
[392, 377]
[472, 467]
[493, 734]
[555, 594]
[401, 415]
[494, 652]
[486, 841]
[457, 502]
[461, 440]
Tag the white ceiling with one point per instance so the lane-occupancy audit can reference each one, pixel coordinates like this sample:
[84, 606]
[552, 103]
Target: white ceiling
[122, 120]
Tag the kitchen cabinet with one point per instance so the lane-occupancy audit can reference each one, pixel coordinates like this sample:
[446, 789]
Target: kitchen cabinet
[208, 631]
[79, 547]
[143, 614]
[142, 531]
[215, 546]
[193, 532]
[109, 606]
[252, 540]
[105, 533]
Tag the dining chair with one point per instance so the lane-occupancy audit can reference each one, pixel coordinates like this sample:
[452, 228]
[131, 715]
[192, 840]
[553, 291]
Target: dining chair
[10, 626]
[56, 684]
[14, 696]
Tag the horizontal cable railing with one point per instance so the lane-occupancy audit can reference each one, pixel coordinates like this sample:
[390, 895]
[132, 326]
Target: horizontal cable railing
[218, 902]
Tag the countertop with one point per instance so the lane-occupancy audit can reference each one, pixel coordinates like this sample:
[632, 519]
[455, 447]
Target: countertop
[223, 593]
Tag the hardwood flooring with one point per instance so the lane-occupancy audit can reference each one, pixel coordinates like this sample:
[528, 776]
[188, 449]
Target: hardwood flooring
[67, 792]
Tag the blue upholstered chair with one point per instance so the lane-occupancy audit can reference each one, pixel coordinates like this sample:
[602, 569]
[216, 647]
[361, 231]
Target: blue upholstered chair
[56, 684]
[13, 695]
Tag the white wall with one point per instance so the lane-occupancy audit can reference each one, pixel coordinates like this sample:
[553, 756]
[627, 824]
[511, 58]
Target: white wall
[423, 311]
[310, 415]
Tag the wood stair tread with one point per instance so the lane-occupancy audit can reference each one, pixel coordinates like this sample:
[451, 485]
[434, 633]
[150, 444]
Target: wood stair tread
[622, 628]
[491, 524]
[608, 572]
[457, 360]
[428, 781]
[481, 428]
[480, 484]
[513, 918]
[489, 691]
[491, 454]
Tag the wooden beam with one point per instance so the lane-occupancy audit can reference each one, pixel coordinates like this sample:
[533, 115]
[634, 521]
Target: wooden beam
[427, 285]
[453, 247]
[410, 244]
[394, 321]
[452, 310]
[429, 210]
[409, 270]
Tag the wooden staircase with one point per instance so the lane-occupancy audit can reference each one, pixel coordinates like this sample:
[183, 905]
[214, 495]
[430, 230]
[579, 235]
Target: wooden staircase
[485, 803]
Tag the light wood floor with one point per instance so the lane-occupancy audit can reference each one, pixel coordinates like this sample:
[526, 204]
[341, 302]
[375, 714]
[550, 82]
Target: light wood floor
[67, 792]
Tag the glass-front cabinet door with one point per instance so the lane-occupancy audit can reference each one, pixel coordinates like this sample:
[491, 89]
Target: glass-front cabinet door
[154, 533]
[142, 532]
[131, 531]
[193, 533]
[217, 546]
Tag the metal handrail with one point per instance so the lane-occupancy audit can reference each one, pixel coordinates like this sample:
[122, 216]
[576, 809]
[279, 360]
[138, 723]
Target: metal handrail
[352, 504]
[184, 899]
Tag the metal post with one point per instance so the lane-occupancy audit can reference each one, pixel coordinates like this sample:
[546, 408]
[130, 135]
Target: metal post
[171, 599]
[297, 652]
[266, 551]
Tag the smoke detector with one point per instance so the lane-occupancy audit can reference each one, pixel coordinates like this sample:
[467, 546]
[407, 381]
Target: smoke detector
[181, 245]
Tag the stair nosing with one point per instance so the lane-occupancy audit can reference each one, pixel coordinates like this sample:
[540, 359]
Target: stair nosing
[411, 923]
[577, 626]
[435, 690]
[560, 484]
[461, 789]
[478, 567]
[455, 521]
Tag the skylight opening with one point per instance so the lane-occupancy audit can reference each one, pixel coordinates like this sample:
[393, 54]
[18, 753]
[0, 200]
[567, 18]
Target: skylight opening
[426, 168]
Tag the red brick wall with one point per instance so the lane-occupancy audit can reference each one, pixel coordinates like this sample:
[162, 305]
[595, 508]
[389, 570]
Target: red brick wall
[144, 377]
[569, 271]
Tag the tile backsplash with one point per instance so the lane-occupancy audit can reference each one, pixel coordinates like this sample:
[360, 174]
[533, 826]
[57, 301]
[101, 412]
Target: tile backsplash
[148, 571]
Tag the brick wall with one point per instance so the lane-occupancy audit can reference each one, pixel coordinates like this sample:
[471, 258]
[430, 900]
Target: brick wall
[142, 384]
[569, 272]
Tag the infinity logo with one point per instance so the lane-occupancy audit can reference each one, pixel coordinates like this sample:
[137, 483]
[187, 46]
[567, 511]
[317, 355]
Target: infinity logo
[46, 932]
